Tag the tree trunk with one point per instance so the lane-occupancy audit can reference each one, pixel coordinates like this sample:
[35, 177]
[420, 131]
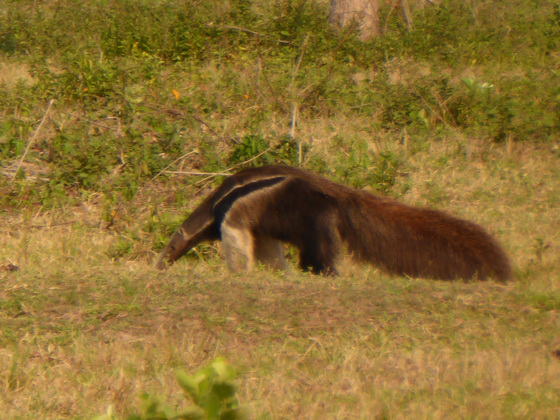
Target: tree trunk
[364, 13]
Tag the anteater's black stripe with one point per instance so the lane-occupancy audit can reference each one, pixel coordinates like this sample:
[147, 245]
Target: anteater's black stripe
[222, 206]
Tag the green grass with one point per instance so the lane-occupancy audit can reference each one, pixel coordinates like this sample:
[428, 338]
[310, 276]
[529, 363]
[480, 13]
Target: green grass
[82, 331]
[459, 114]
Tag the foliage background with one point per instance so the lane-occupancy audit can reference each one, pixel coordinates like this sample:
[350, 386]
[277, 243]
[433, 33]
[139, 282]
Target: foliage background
[139, 84]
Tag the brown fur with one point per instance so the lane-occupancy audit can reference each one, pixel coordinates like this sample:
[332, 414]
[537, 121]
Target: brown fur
[263, 206]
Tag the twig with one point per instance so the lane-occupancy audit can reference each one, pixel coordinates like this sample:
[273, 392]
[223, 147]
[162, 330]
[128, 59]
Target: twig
[405, 9]
[361, 105]
[178, 113]
[407, 16]
[389, 13]
[294, 119]
[269, 86]
[92, 122]
[209, 175]
[439, 117]
[292, 89]
[300, 58]
[30, 142]
[171, 164]
[330, 68]
[293, 131]
[234, 166]
[240, 29]
[250, 160]
[444, 108]
[197, 173]
[49, 226]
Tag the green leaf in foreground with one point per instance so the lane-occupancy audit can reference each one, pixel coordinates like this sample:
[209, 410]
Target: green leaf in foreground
[212, 390]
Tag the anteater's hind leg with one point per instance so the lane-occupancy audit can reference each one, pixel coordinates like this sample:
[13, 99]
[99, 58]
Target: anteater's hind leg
[270, 253]
[310, 260]
[318, 253]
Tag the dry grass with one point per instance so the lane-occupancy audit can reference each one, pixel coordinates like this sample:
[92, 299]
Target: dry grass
[80, 331]
[12, 73]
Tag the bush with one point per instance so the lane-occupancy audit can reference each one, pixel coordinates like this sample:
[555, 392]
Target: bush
[140, 84]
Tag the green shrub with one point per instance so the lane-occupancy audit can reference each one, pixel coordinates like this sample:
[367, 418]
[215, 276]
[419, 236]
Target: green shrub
[285, 150]
[140, 84]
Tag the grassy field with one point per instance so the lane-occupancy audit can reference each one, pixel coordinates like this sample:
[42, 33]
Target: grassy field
[114, 116]
[82, 331]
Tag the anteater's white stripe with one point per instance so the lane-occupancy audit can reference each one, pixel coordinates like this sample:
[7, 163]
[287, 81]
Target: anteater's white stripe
[251, 182]
[240, 246]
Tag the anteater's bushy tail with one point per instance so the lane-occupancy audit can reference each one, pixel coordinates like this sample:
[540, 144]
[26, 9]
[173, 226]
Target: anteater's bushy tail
[421, 242]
